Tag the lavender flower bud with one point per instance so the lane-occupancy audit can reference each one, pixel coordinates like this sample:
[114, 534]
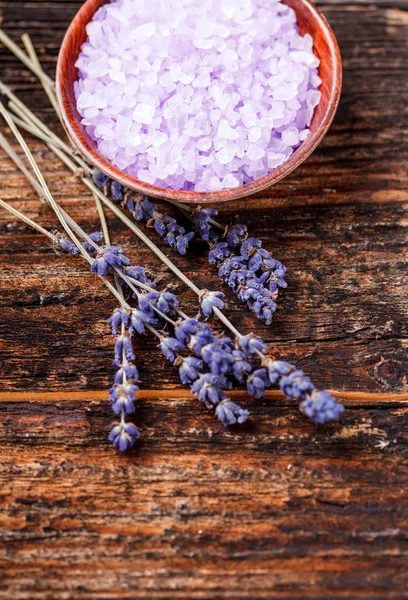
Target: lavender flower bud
[118, 352]
[107, 258]
[138, 320]
[67, 246]
[124, 436]
[251, 344]
[190, 370]
[240, 367]
[139, 273]
[200, 339]
[256, 383]
[117, 191]
[218, 356]
[147, 301]
[208, 388]
[236, 234]
[201, 218]
[100, 179]
[182, 242]
[128, 348]
[120, 317]
[169, 346]
[209, 300]
[126, 372]
[219, 253]
[185, 329]
[167, 303]
[321, 407]
[122, 398]
[277, 369]
[230, 413]
[296, 386]
[144, 209]
[95, 237]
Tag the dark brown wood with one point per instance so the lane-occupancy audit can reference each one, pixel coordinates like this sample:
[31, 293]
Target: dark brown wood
[280, 509]
[310, 20]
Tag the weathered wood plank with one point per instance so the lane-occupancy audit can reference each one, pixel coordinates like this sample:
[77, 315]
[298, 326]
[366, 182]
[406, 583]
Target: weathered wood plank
[280, 508]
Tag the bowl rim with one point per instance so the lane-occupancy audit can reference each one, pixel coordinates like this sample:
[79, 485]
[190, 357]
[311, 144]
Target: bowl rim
[76, 134]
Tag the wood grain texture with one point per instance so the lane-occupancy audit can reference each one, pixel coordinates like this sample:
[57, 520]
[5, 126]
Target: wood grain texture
[280, 508]
[310, 21]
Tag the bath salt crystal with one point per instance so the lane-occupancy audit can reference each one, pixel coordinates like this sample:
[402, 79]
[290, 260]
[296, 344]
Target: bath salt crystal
[226, 154]
[230, 181]
[197, 95]
[143, 113]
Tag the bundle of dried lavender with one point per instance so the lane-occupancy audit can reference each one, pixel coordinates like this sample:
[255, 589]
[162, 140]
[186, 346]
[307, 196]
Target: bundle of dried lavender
[224, 358]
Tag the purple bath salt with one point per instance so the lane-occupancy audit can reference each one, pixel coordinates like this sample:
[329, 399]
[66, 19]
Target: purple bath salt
[199, 95]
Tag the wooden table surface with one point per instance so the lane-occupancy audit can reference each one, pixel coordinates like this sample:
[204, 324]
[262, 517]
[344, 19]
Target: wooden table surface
[279, 508]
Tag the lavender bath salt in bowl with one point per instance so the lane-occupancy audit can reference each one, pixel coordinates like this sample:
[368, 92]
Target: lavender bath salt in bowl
[198, 101]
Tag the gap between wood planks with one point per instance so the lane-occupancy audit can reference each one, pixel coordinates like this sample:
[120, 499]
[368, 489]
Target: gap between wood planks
[350, 399]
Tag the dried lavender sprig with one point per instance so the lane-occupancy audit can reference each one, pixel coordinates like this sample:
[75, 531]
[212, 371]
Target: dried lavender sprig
[180, 275]
[123, 435]
[124, 430]
[144, 210]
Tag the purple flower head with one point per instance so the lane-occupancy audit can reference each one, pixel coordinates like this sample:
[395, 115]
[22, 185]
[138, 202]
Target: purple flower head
[100, 179]
[201, 218]
[95, 237]
[209, 300]
[257, 382]
[209, 388]
[251, 344]
[169, 346]
[147, 302]
[67, 246]
[124, 346]
[125, 373]
[128, 348]
[167, 303]
[230, 413]
[200, 339]
[190, 370]
[218, 356]
[230, 264]
[139, 273]
[123, 397]
[117, 191]
[182, 242]
[120, 317]
[237, 279]
[264, 308]
[321, 407]
[276, 271]
[170, 231]
[236, 234]
[118, 352]
[296, 386]
[144, 209]
[278, 369]
[249, 246]
[219, 253]
[124, 436]
[108, 258]
[185, 329]
[240, 367]
[159, 223]
[139, 319]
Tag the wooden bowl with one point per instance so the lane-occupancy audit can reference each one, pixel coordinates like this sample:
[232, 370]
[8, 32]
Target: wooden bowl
[310, 20]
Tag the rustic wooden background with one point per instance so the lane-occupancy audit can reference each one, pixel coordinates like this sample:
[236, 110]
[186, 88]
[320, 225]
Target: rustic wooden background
[277, 509]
